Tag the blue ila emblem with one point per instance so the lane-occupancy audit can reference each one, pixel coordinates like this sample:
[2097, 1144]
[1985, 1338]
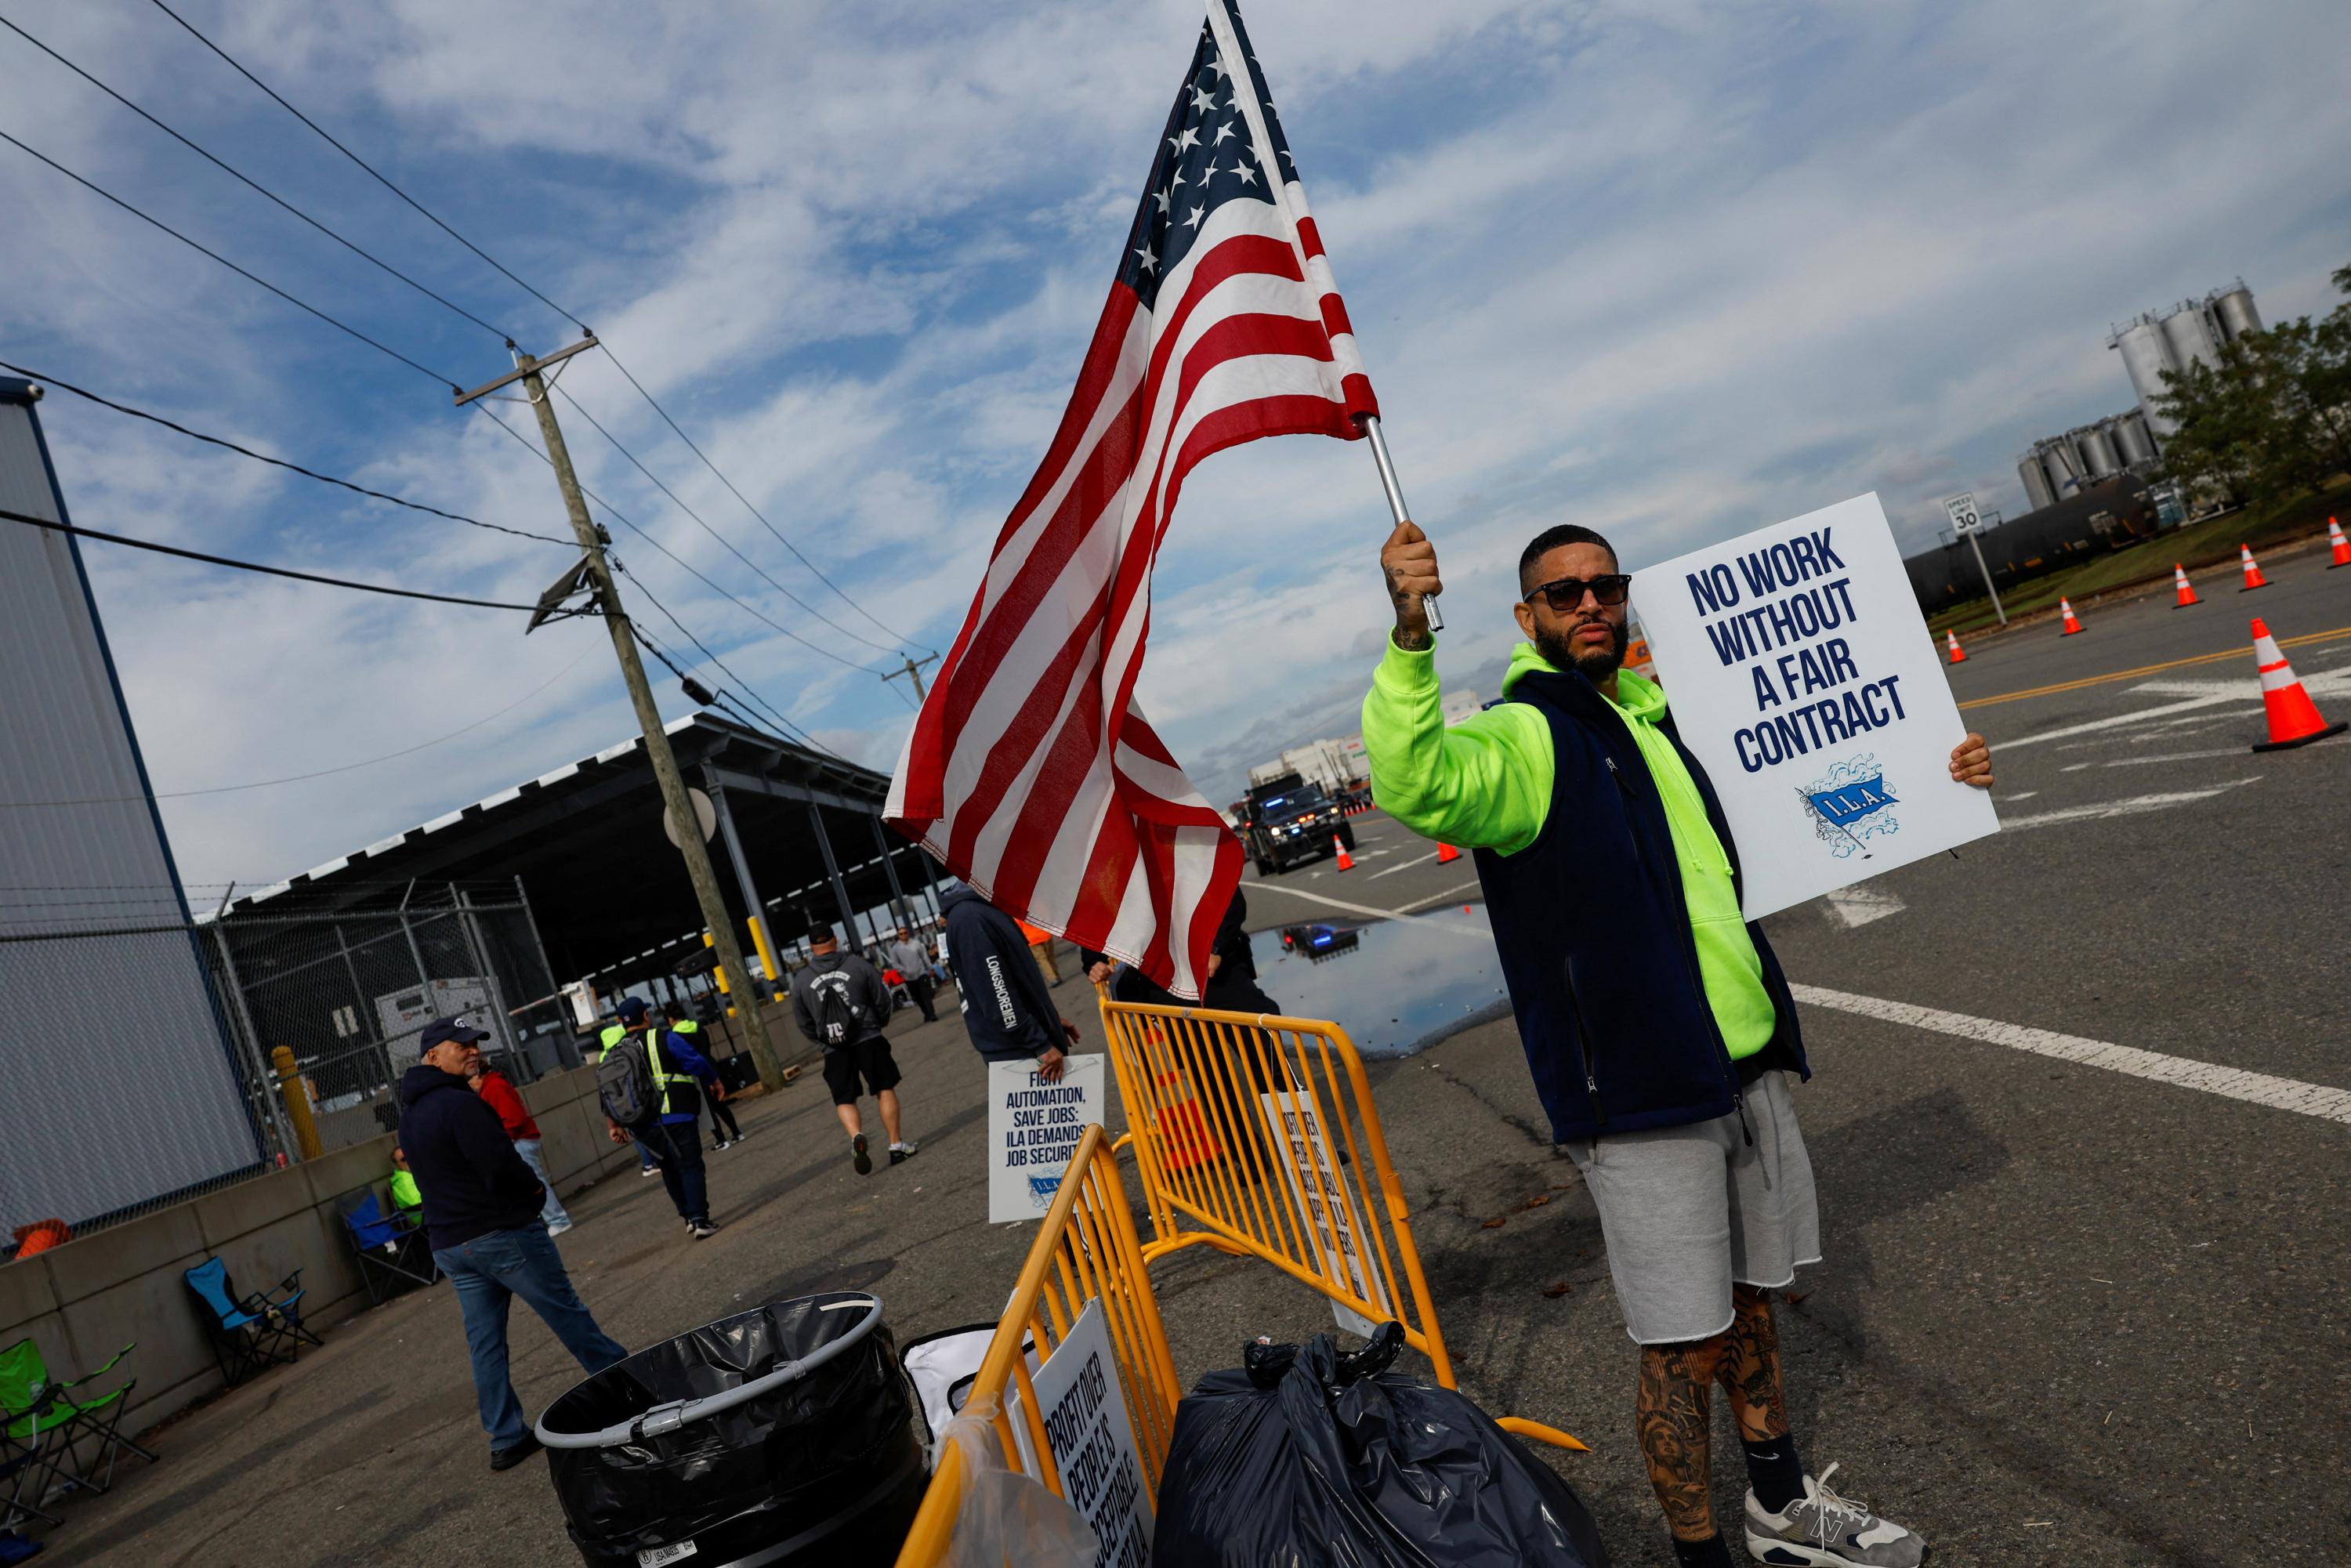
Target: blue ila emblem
[1851, 806]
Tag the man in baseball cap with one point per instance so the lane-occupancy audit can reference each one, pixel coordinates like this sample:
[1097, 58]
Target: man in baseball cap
[482, 1214]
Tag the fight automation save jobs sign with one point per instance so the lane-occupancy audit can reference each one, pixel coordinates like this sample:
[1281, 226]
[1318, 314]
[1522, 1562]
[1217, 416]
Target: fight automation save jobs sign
[1800, 674]
[1033, 1127]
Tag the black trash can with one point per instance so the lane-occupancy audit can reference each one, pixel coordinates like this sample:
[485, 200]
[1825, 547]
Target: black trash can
[787, 1435]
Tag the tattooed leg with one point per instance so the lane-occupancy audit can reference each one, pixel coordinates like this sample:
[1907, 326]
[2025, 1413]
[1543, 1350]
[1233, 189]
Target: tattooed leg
[1749, 1370]
[1672, 1413]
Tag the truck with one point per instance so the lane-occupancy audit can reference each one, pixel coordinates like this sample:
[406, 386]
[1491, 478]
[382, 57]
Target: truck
[1286, 821]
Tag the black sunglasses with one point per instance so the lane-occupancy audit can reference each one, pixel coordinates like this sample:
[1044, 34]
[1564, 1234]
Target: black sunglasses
[1567, 593]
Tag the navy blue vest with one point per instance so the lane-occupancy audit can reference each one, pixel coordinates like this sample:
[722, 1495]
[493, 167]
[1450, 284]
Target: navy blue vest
[1596, 941]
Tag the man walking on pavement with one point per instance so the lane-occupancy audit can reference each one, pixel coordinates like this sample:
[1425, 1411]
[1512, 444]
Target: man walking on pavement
[913, 962]
[671, 1128]
[721, 1114]
[840, 1002]
[498, 1093]
[1007, 1008]
[1657, 1023]
[482, 1207]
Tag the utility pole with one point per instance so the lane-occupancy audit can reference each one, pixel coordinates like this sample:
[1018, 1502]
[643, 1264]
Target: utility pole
[914, 672]
[690, 844]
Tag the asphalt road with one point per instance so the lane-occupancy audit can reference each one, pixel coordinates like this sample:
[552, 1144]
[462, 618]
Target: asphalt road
[2079, 1308]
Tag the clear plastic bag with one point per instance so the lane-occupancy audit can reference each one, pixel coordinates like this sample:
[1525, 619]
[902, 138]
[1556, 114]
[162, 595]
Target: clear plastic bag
[1008, 1519]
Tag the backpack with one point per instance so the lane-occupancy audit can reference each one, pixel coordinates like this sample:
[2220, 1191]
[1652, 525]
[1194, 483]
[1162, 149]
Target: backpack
[838, 1022]
[624, 1082]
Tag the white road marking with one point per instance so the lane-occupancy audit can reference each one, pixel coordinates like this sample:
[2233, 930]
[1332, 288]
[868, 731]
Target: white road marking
[2020, 794]
[2165, 756]
[1857, 907]
[2131, 806]
[1404, 866]
[2231, 1082]
[1378, 913]
[2120, 721]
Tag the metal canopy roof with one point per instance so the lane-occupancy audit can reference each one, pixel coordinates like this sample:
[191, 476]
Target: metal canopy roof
[609, 893]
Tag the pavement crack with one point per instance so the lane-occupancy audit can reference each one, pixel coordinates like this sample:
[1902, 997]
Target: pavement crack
[1538, 1137]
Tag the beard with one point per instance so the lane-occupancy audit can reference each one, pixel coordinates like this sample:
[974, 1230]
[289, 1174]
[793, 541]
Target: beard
[1592, 663]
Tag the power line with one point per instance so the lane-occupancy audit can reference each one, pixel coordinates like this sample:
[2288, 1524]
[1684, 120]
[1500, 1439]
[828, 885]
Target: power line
[277, 461]
[713, 533]
[370, 168]
[687, 566]
[755, 511]
[239, 174]
[255, 566]
[437, 222]
[791, 730]
[297, 778]
[340, 326]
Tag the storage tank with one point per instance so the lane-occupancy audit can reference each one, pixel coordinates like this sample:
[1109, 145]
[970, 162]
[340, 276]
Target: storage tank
[2235, 312]
[2060, 464]
[2190, 336]
[2037, 493]
[2145, 357]
[2134, 443]
[2097, 450]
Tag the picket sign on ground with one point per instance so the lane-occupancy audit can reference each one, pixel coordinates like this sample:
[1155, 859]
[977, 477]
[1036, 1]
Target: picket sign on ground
[1303, 1147]
[1033, 1127]
[1798, 670]
[1084, 1406]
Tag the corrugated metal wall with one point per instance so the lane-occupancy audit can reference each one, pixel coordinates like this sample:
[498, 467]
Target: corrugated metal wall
[115, 1081]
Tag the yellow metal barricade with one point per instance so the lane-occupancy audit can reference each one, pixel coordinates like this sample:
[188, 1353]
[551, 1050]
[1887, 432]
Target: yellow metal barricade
[1087, 1250]
[1257, 1136]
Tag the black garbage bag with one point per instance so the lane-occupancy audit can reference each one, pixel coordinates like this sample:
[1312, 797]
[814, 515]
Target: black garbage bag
[1312, 1458]
[826, 1467]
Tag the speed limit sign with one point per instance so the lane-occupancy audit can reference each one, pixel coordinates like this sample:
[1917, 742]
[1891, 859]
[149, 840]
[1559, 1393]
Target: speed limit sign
[1962, 510]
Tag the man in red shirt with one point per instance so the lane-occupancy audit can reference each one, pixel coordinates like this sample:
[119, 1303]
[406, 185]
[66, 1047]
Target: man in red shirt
[499, 1095]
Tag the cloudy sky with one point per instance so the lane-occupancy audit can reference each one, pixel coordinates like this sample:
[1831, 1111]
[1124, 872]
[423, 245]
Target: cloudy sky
[1675, 270]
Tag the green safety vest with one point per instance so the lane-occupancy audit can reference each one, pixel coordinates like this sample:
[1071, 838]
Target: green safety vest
[614, 1033]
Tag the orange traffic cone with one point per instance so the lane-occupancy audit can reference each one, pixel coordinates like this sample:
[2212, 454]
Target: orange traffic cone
[2293, 717]
[2184, 588]
[1447, 854]
[2072, 625]
[2253, 578]
[2341, 546]
[1958, 655]
[1346, 860]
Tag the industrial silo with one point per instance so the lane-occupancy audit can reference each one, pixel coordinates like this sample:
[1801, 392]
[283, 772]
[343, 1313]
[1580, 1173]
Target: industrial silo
[2134, 443]
[2234, 310]
[2097, 451]
[2061, 464]
[2037, 493]
[2190, 336]
[2145, 357]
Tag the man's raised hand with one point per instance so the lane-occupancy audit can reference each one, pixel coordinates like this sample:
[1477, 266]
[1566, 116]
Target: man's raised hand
[1971, 762]
[1408, 561]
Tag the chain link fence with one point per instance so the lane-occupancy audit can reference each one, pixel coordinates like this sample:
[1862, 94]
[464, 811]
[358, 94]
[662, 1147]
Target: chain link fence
[148, 1067]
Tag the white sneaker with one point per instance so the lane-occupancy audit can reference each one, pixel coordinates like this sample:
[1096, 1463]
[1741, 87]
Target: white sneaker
[1822, 1529]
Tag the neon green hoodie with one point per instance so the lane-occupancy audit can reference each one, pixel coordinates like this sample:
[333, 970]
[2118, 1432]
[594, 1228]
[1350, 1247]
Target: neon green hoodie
[1486, 783]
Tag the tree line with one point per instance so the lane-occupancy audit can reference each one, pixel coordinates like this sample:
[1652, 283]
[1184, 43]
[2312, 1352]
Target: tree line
[2271, 417]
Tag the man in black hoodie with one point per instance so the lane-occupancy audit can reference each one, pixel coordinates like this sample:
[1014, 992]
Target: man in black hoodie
[1006, 1009]
[481, 1210]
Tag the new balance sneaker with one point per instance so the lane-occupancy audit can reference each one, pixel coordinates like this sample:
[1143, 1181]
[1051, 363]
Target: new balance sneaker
[901, 1152]
[1822, 1529]
[858, 1157]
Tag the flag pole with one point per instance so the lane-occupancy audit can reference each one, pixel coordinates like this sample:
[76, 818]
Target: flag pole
[1371, 424]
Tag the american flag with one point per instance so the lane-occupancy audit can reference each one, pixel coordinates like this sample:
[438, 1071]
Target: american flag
[1030, 771]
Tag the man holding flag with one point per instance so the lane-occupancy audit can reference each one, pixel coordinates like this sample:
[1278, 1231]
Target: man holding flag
[1030, 771]
[1656, 1019]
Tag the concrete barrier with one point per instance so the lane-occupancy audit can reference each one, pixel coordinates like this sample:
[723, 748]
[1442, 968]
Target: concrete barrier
[86, 1299]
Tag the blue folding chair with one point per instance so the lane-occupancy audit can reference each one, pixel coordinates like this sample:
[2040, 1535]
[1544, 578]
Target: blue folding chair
[252, 1331]
[394, 1245]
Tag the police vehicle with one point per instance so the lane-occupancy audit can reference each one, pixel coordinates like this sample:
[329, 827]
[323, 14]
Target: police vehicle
[1286, 821]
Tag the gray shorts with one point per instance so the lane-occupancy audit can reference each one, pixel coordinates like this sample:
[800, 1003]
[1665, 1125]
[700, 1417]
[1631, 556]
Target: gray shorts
[1688, 1210]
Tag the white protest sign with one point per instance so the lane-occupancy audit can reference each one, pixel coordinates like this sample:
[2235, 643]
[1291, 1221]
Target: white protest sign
[1033, 1128]
[1800, 674]
[1303, 1149]
[1083, 1404]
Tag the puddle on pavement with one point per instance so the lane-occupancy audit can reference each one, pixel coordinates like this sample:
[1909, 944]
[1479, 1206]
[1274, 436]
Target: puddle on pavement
[1395, 985]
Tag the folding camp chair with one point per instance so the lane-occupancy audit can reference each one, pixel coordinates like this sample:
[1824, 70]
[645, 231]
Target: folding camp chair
[42, 1406]
[392, 1245]
[30, 1465]
[249, 1332]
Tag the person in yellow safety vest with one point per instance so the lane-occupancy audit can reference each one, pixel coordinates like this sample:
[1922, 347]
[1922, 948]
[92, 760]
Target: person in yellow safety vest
[721, 1113]
[612, 1035]
[681, 1076]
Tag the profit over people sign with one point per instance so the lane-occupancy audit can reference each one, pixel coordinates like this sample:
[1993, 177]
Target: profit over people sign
[1798, 670]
